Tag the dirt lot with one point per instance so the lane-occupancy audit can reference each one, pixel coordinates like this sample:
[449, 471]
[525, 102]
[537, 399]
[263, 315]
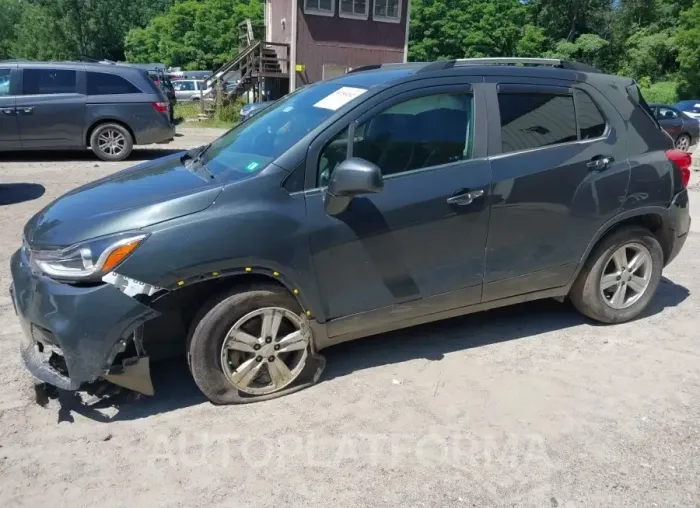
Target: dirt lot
[526, 406]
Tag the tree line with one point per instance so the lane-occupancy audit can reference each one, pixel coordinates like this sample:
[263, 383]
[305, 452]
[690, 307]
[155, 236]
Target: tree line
[655, 42]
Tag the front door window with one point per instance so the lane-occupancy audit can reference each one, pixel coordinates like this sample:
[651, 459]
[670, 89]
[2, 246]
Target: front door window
[415, 134]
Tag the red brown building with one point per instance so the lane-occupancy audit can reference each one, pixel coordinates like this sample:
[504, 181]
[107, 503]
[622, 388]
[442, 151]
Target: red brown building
[304, 41]
[329, 37]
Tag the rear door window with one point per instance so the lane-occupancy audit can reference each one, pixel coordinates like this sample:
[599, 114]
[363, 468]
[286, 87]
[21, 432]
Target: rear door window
[591, 123]
[48, 81]
[536, 120]
[102, 83]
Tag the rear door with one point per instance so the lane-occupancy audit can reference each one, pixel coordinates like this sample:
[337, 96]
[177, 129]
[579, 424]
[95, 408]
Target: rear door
[51, 108]
[559, 174]
[9, 126]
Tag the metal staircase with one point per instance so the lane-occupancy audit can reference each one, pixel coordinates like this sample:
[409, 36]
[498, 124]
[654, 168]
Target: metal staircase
[258, 63]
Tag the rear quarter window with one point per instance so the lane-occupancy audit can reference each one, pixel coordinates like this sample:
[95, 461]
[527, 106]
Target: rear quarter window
[102, 83]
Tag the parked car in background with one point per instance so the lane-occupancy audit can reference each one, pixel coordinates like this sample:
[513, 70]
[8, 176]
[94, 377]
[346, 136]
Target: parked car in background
[108, 108]
[690, 107]
[684, 129]
[378, 200]
[189, 90]
[162, 81]
[253, 108]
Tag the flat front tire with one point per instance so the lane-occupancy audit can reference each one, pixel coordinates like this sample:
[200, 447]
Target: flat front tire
[621, 276]
[250, 345]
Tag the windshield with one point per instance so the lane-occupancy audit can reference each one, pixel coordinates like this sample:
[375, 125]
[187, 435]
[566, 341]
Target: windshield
[250, 146]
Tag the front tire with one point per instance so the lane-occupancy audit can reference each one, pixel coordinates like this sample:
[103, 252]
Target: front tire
[621, 276]
[111, 142]
[250, 345]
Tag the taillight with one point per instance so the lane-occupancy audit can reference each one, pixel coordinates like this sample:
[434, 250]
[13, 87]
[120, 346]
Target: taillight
[161, 107]
[683, 160]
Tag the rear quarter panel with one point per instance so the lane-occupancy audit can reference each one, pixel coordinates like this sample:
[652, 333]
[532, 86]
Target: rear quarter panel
[134, 110]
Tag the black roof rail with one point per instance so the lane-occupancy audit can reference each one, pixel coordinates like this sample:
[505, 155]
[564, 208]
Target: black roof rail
[547, 62]
[365, 68]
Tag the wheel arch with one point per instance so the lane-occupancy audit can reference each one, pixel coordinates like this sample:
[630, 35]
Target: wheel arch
[103, 121]
[655, 219]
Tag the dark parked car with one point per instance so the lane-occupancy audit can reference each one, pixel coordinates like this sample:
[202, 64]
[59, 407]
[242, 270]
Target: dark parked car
[163, 82]
[381, 199]
[108, 108]
[684, 129]
[689, 107]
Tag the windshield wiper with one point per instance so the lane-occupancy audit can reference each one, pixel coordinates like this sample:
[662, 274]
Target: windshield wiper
[194, 163]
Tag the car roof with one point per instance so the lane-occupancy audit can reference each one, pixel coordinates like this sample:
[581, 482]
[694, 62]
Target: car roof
[89, 66]
[386, 74]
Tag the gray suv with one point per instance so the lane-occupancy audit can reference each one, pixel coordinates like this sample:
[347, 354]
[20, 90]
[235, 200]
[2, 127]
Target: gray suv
[108, 108]
[382, 199]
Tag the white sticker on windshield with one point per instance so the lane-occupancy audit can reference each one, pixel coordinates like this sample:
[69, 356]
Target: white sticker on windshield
[339, 98]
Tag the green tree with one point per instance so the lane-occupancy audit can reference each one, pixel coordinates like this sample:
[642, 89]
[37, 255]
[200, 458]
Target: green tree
[193, 34]
[687, 39]
[465, 28]
[71, 29]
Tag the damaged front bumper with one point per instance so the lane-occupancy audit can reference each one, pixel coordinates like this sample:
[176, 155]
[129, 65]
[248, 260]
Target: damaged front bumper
[74, 335]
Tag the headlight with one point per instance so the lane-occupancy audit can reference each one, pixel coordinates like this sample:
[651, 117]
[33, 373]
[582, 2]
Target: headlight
[86, 260]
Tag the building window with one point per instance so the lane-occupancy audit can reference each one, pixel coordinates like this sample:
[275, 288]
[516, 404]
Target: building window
[354, 9]
[387, 10]
[320, 7]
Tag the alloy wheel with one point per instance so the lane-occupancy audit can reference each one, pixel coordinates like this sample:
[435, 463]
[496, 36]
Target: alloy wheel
[265, 350]
[683, 143]
[111, 142]
[626, 276]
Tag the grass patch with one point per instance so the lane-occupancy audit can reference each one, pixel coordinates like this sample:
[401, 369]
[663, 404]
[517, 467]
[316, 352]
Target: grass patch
[187, 113]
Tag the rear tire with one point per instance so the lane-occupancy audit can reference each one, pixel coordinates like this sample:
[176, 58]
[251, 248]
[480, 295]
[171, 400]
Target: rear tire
[610, 293]
[111, 142]
[232, 370]
[683, 142]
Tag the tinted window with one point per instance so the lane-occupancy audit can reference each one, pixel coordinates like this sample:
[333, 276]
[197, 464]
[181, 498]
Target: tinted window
[48, 81]
[419, 133]
[99, 83]
[591, 123]
[534, 120]
[4, 82]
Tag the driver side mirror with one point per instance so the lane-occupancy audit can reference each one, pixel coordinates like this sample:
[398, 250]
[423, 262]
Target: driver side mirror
[351, 178]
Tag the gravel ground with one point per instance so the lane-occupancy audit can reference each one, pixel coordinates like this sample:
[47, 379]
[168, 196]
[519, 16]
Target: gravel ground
[526, 406]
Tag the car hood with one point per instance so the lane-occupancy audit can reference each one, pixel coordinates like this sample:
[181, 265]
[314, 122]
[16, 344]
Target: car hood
[148, 193]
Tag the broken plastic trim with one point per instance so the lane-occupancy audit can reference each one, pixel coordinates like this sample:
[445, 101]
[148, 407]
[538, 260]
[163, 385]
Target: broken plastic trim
[130, 287]
[134, 373]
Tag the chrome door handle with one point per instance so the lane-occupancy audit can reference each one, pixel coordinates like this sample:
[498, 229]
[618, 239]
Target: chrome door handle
[8, 111]
[465, 198]
[27, 111]
[600, 164]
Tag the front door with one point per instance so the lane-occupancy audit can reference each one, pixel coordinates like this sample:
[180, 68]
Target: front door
[51, 111]
[559, 173]
[418, 245]
[9, 127]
